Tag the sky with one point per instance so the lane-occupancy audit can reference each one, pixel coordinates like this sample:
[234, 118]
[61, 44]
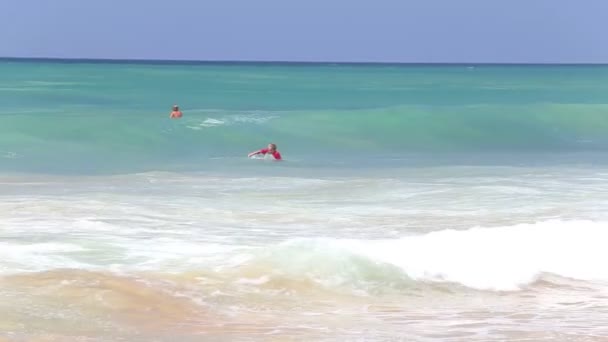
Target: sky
[417, 31]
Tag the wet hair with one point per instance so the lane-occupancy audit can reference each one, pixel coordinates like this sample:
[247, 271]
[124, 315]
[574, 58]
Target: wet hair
[274, 146]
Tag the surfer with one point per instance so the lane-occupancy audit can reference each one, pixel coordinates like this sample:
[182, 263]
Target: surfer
[271, 149]
[176, 113]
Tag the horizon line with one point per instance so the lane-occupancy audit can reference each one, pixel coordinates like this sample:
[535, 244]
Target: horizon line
[75, 60]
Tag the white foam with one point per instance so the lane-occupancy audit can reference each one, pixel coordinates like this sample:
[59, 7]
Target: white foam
[8, 155]
[210, 122]
[504, 258]
[257, 119]
[37, 256]
[253, 281]
[137, 233]
[227, 120]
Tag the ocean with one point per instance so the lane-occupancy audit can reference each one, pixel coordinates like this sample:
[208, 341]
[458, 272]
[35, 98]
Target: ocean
[414, 202]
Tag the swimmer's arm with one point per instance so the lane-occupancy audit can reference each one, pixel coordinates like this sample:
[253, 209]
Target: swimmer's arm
[254, 153]
[262, 151]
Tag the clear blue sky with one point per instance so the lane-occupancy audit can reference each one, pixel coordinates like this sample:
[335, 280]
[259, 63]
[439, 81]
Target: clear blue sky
[541, 31]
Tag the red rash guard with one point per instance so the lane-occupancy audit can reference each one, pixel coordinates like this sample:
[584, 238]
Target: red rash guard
[275, 154]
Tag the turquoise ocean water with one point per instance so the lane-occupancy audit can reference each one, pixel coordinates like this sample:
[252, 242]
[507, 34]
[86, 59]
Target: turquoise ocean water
[415, 202]
[95, 117]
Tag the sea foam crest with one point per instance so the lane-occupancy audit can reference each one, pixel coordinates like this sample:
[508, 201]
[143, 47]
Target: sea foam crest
[500, 258]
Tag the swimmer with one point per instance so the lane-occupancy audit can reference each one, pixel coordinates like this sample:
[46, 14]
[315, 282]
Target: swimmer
[271, 149]
[176, 113]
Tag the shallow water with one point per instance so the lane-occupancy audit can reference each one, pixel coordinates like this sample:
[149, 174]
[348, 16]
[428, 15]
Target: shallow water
[163, 255]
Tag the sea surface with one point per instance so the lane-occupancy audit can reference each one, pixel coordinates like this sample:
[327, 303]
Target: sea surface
[415, 202]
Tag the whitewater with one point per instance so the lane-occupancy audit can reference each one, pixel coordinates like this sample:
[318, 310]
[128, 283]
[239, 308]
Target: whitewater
[415, 203]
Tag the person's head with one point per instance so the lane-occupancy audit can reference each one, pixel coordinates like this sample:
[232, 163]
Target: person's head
[272, 147]
[175, 108]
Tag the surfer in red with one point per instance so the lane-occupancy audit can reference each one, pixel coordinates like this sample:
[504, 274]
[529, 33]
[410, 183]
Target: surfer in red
[271, 149]
[176, 113]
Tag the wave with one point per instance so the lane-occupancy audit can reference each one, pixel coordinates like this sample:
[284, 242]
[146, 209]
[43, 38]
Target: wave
[503, 258]
[509, 258]
[138, 139]
[410, 127]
